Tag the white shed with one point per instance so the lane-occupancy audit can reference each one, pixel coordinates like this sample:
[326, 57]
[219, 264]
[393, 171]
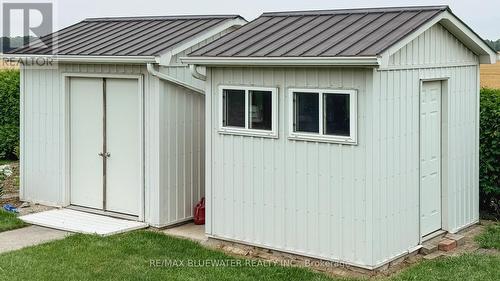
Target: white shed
[116, 125]
[345, 135]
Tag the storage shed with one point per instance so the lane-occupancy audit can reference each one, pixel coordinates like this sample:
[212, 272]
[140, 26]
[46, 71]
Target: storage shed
[116, 125]
[344, 135]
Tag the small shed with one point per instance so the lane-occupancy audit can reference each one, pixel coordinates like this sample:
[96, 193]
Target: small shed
[116, 124]
[345, 135]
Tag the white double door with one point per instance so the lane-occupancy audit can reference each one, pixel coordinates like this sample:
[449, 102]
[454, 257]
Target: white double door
[105, 149]
[430, 157]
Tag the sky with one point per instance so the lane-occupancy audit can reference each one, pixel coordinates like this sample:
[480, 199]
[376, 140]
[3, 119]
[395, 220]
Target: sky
[481, 15]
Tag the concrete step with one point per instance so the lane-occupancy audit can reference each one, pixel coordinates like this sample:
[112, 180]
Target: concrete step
[460, 239]
[428, 248]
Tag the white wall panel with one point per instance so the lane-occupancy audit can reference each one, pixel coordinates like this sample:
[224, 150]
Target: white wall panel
[304, 197]
[396, 203]
[182, 149]
[436, 47]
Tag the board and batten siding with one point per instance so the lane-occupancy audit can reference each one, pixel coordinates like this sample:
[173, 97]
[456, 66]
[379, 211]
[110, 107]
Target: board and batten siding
[173, 137]
[436, 47]
[182, 153]
[305, 197]
[396, 155]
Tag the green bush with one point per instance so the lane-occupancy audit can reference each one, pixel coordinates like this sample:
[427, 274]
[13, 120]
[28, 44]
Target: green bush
[9, 113]
[489, 167]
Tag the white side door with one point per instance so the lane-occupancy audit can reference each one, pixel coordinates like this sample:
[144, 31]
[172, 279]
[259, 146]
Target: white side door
[123, 133]
[86, 130]
[430, 157]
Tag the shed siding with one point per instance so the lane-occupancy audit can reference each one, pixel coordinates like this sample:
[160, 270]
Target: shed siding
[306, 197]
[396, 155]
[436, 47]
[182, 150]
[42, 127]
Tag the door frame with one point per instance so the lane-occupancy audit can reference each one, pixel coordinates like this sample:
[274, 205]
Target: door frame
[66, 161]
[444, 146]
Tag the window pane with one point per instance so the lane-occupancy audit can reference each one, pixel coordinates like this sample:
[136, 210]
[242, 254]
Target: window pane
[336, 111]
[261, 110]
[234, 108]
[307, 112]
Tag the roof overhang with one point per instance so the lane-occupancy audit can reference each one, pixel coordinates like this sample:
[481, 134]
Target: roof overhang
[456, 27]
[282, 61]
[81, 59]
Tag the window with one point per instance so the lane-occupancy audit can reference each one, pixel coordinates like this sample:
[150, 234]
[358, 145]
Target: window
[323, 115]
[248, 111]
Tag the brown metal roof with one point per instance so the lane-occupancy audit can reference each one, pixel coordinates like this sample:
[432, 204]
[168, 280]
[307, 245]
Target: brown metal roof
[327, 33]
[125, 36]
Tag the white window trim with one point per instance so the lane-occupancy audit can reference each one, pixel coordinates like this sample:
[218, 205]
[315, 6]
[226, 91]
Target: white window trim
[273, 133]
[321, 137]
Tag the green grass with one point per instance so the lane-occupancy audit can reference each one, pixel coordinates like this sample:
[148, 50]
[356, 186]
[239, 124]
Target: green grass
[128, 257]
[9, 221]
[466, 267]
[490, 238]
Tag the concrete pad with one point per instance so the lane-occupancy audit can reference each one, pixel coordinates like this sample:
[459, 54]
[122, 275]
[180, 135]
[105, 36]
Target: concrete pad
[189, 231]
[28, 236]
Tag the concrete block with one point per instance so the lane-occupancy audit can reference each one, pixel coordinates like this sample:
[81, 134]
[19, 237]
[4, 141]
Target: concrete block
[457, 237]
[428, 248]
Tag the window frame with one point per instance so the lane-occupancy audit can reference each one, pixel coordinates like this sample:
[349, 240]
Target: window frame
[321, 136]
[247, 131]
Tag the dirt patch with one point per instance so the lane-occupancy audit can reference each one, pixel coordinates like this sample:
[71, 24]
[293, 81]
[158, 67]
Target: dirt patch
[10, 186]
[33, 208]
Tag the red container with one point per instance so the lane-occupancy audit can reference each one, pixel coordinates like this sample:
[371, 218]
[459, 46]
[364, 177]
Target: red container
[199, 212]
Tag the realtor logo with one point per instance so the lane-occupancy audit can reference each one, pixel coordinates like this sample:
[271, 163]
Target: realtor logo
[26, 23]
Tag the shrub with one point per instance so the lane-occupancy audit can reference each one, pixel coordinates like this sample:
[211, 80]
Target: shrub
[9, 113]
[489, 166]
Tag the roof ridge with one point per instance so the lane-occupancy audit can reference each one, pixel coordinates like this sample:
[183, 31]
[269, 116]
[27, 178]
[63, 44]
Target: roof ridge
[172, 17]
[356, 10]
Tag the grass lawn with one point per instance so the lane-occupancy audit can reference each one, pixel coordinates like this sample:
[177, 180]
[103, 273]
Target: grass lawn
[9, 221]
[466, 267]
[490, 238]
[128, 257]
